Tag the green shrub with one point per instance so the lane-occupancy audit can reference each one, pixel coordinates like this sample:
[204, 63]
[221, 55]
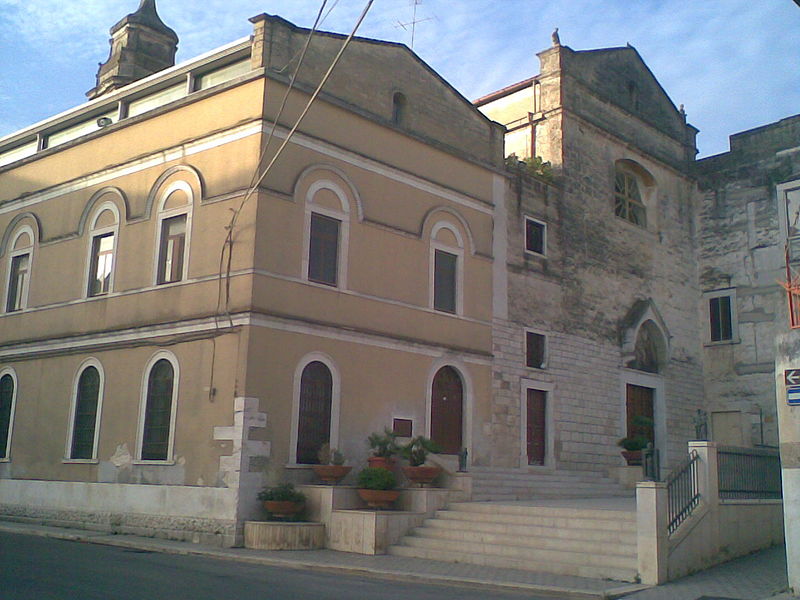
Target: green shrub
[383, 444]
[281, 493]
[373, 478]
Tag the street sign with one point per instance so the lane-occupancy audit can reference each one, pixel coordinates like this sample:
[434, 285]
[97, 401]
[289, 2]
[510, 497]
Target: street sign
[793, 395]
[792, 376]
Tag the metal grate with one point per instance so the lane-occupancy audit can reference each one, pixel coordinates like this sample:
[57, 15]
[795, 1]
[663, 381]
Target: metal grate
[749, 473]
[683, 491]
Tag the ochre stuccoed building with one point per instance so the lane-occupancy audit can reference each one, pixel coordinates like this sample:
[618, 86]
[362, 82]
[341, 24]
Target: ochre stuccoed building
[167, 322]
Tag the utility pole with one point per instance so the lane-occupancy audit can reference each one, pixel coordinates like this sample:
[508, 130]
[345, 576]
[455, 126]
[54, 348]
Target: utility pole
[413, 23]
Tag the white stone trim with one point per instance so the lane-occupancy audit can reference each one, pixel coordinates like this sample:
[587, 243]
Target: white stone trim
[343, 216]
[89, 362]
[169, 356]
[458, 252]
[12, 254]
[468, 398]
[500, 250]
[657, 384]
[549, 442]
[97, 232]
[13, 374]
[163, 215]
[546, 358]
[336, 382]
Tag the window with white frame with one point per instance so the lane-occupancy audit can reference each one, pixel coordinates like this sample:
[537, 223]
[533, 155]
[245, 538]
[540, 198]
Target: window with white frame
[8, 396]
[102, 246]
[722, 325]
[327, 226]
[446, 269]
[85, 415]
[535, 236]
[159, 403]
[174, 227]
[20, 259]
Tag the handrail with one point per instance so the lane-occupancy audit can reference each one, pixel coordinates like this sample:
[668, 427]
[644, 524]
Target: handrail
[683, 491]
[748, 473]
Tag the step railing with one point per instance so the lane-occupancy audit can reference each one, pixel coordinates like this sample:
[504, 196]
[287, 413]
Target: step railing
[683, 491]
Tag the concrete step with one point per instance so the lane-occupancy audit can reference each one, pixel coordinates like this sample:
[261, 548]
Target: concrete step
[579, 511]
[624, 537]
[541, 521]
[520, 562]
[611, 546]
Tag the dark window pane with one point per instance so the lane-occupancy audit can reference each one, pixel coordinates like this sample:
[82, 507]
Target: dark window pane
[402, 427]
[444, 281]
[323, 249]
[534, 236]
[158, 412]
[85, 414]
[17, 282]
[6, 396]
[721, 323]
[171, 253]
[534, 347]
[314, 419]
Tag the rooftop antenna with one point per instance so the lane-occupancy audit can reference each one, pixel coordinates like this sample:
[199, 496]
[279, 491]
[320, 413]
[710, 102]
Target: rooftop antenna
[413, 23]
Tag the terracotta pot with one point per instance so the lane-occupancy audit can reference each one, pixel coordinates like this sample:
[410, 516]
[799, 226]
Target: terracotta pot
[378, 498]
[381, 462]
[632, 457]
[421, 474]
[331, 474]
[282, 508]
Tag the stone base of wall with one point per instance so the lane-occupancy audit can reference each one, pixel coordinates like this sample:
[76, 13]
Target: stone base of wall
[369, 531]
[272, 535]
[192, 514]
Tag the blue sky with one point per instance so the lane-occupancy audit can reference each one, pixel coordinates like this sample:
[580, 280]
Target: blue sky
[734, 64]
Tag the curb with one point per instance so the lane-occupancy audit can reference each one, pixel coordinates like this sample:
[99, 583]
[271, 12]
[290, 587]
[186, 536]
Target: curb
[131, 542]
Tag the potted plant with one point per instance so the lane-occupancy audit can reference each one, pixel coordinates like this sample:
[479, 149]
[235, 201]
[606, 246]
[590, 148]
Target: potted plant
[331, 468]
[416, 452]
[384, 447]
[634, 444]
[376, 487]
[282, 501]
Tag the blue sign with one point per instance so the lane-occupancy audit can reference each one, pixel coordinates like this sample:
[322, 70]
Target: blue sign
[793, 395]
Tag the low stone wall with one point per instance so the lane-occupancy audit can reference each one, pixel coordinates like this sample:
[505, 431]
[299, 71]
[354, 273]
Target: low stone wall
[369, 531]
[273, 535]
[195, 514]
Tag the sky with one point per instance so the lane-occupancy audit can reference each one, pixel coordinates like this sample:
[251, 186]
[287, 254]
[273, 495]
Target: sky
[733, 64]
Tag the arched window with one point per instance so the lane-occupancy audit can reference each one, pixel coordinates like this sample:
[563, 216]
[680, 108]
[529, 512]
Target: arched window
[314, 412]
[632, 186]
[102, 246]
[20, 259]
[446, 268]
[327, 234]
[8, 394]
[86, 414]
[174, 227]
[159, 411]
[399, 104]
[447, 410]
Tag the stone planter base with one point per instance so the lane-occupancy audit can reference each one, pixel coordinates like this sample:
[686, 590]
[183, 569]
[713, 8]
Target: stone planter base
[270, 535]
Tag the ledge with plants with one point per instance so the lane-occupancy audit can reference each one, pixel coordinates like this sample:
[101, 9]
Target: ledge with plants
[376, 487]
[416, 452]
[331, 468]
[384, 448]
[282, 501]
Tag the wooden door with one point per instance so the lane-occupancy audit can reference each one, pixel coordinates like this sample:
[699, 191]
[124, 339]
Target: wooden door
[447, 410]
[536, 428]
[314, 419]
[640, 403]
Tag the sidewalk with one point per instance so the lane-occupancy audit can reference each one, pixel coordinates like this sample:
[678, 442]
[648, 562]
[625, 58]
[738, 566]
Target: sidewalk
[756, 577]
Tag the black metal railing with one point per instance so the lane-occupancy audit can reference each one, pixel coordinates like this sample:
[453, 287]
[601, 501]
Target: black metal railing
[683, 491]
[749, 473]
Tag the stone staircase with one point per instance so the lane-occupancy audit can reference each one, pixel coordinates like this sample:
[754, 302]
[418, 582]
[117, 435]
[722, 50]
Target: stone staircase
[581, 537]
[489, 483]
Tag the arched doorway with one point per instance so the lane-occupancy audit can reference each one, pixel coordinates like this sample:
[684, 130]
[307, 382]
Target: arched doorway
[314, 418]
[447, 410]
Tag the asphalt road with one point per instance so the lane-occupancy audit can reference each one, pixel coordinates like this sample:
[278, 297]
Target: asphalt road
[38, 568]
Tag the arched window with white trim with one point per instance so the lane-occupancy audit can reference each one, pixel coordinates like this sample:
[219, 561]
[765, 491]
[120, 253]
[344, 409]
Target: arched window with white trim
[315, 413]
[174, 229]
[326, 238]
[87, 400]
[8, 397]
[20, 261]
[103, 235]
[446, 272]
[159, 404]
